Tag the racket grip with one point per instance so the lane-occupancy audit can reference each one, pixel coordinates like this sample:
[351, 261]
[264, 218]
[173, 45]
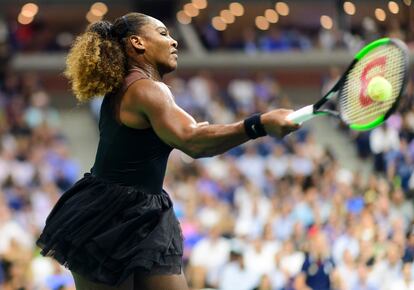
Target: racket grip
[301, 115]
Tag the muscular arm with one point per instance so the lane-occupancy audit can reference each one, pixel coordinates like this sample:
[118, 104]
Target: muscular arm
[177, 128]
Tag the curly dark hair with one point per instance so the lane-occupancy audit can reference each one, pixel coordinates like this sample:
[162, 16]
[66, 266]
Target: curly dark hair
[97, 62]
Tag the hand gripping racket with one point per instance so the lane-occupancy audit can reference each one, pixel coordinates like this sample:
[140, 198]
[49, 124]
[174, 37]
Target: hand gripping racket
[385, 57]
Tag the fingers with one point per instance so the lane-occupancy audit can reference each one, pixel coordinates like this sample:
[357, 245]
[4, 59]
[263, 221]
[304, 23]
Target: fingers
[292, 124]
[290, 129]
[289, 126]
[286, 126]
[276, 123]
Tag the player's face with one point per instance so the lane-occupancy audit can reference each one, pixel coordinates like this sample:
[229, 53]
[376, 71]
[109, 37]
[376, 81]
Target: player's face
[160, 47]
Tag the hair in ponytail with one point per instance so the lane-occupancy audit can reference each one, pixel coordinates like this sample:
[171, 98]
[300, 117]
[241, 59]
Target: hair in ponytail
[96, 64]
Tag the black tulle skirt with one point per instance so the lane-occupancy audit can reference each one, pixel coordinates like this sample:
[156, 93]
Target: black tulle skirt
[106, 232]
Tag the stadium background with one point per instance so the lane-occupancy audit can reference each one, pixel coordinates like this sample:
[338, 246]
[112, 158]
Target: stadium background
[325, 208]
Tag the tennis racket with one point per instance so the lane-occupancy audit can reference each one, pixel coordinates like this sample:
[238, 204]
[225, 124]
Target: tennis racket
[385, 57]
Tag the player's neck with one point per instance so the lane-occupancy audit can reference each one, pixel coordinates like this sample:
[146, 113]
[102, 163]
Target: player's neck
[147, 70]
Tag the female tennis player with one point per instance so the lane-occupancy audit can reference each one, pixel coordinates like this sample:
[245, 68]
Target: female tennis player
[115, 228]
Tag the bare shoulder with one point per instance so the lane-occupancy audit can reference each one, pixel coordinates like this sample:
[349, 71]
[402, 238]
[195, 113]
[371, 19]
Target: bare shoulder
[147, 92]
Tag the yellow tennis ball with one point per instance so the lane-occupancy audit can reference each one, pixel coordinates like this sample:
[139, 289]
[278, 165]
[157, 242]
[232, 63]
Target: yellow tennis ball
[379, 89]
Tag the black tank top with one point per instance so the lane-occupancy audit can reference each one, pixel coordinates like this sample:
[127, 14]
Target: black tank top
[128, 156]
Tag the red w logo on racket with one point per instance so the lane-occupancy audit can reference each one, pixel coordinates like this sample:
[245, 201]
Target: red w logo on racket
[382, 57]
[378, 62]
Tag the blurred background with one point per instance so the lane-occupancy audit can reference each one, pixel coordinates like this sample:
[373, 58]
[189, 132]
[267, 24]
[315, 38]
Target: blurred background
[325, 208]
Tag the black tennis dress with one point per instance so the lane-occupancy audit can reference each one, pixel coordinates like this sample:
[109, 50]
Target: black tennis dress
[117, 220]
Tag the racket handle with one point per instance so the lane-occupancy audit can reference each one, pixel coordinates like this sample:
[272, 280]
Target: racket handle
[301, 115]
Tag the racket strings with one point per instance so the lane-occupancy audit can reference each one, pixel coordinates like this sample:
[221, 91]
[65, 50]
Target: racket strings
[353, 107]
[356, 107]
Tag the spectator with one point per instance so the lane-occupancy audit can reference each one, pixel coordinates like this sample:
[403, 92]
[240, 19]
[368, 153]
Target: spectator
[382, 140]
[275, 40]
[406, 281]
[40, 112]
[236, 276]
[346, 273]
[388, 270]
[265, 283]
[364, 280]
[347, 242]
[318, 267]
[409, 249]
[249, 41]
[207, 258]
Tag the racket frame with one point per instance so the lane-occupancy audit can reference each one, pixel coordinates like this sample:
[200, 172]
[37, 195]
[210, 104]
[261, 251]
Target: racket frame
[304, 115]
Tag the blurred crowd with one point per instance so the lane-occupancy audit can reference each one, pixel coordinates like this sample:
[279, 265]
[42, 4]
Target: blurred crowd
[282, 38]
[269, 215]
[283, 214]
[35, 168]
[43, 36]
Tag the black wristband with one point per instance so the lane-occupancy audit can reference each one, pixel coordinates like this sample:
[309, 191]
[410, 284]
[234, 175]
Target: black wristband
[253, 127]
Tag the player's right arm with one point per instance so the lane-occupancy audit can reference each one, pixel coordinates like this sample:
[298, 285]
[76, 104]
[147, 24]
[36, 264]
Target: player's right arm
[154, 101]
